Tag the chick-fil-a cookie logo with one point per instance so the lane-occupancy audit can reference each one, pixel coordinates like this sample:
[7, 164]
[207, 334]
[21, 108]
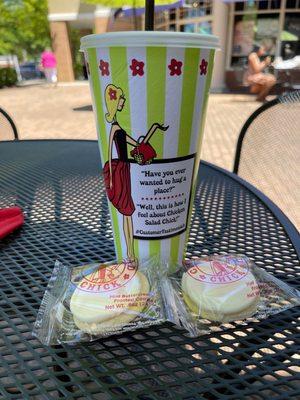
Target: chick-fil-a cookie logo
[219, 271]
[107, 278]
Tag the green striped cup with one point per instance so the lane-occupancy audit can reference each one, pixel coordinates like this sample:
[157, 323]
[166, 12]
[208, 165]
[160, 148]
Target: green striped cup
[150, 92]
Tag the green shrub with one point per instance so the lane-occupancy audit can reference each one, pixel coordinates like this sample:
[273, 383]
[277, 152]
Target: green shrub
[8, 77]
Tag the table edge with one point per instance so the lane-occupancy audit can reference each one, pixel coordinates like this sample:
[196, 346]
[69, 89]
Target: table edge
[286, 223]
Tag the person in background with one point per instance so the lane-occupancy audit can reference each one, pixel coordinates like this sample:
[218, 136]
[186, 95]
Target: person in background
[48, 65]
[260, 82]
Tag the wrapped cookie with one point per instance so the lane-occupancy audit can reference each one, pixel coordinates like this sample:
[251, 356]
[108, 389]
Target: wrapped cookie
[207, 293]
[97, 300]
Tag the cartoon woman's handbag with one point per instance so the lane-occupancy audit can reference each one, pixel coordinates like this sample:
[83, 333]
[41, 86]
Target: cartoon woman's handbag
[144, 153]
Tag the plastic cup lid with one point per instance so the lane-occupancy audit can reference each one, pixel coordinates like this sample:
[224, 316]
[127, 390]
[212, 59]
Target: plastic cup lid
[150, 38]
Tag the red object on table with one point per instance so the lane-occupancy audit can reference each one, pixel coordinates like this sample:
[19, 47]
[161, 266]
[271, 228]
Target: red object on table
[10, 219]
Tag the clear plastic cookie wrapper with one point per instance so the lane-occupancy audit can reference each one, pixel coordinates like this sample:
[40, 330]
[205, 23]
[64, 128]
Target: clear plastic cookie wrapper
[97, 300]
[209, 293]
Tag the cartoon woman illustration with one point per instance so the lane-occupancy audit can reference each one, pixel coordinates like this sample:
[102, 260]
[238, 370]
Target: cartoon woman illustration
[117, 170]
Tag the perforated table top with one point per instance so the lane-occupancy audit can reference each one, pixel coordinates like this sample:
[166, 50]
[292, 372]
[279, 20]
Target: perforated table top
[59, 186]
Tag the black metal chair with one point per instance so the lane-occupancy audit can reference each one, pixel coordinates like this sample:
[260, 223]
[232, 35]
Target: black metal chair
[8, 129]
[268, 152]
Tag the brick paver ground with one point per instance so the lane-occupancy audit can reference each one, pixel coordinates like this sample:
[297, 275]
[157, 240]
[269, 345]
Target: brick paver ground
[64, 113]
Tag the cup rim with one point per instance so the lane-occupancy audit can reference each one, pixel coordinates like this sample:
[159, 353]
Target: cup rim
[149, 38]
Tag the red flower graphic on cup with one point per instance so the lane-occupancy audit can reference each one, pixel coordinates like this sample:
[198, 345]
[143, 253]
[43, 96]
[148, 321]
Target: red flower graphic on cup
[137, 67]
[104, 67]
[175, 67]
[203, 67]
[112, 94]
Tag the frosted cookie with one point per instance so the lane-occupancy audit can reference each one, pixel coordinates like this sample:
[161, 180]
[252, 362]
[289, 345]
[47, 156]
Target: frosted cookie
[109, 298]
[220, 291]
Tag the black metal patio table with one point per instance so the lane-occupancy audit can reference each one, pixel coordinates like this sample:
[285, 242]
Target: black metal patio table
[59, 186]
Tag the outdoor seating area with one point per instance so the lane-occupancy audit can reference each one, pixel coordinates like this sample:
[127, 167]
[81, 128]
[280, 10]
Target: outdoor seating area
[149, 200]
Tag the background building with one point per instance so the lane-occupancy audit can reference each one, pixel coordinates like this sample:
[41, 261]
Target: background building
[240, 25]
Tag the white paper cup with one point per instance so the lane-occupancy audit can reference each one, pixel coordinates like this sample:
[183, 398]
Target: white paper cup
[138, 79]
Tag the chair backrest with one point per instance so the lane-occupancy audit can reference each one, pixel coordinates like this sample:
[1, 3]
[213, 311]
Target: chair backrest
[8, 129]
[268, 153]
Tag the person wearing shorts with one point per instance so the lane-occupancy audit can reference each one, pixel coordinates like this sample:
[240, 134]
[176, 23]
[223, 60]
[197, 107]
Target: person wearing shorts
[260, 82]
